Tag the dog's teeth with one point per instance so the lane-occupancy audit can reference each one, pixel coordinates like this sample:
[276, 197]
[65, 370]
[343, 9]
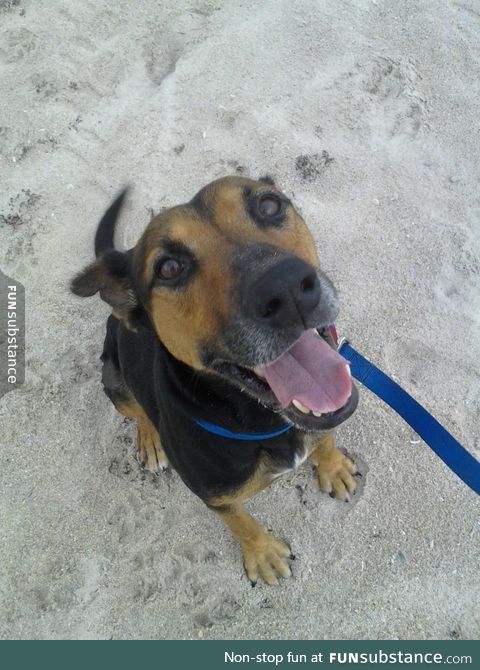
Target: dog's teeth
[300, 406]
[317, 414]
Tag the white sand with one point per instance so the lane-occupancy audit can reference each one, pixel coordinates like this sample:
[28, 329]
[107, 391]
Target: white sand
[167, 96]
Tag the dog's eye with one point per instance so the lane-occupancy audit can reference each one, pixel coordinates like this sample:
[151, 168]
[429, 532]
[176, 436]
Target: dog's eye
[169, 268]
[269, 206]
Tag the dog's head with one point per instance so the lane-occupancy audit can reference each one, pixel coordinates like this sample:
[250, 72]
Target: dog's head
[232, 286]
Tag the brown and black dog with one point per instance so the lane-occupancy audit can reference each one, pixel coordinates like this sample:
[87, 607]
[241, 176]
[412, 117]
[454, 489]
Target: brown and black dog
[217, 345]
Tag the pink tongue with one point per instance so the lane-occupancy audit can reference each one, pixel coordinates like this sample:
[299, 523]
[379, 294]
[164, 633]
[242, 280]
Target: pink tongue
[312, 372]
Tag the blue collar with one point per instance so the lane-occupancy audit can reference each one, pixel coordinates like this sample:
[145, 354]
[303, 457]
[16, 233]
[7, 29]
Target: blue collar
[223, 432]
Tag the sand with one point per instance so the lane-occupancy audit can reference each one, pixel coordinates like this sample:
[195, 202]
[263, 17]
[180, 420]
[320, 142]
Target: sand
[366, 113]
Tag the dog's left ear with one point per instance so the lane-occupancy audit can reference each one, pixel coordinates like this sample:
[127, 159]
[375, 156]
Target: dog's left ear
[109, 275]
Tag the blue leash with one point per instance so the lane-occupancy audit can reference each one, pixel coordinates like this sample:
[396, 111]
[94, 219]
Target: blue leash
[458, 459]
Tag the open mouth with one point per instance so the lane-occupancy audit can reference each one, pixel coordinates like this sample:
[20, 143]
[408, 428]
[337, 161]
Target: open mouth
[310, 383]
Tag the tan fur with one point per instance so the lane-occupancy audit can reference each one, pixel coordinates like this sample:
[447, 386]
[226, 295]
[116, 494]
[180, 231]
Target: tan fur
[334, 470]
[183, 320]
[262, 554]
[149, 448]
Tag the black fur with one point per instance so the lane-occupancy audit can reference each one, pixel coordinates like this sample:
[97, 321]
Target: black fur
[106, 227]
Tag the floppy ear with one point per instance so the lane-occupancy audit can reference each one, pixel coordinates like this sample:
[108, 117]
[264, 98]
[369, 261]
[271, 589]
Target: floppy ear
[110, 276]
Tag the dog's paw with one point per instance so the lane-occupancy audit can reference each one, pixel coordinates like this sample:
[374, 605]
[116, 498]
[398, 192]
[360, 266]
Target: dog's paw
[266, 557]
[150, 453]
[336, 475]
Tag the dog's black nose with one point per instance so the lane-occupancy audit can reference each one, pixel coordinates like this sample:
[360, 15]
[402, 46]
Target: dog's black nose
[283, 295]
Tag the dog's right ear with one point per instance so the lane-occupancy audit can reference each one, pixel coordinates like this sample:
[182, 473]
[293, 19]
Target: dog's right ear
[110, 276]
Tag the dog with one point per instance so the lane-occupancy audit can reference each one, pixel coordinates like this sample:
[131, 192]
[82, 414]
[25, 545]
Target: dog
[218, 346]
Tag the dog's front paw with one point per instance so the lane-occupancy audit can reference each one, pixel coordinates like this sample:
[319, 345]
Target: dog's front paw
[266, 556]
[335, 475]
[150, 453]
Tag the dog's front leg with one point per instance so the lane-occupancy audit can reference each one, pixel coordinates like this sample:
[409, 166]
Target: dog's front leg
[334, 470]
[149, 448]
[262, 554]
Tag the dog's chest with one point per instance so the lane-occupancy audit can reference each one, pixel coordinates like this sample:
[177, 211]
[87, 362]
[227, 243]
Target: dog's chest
[299, 456]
